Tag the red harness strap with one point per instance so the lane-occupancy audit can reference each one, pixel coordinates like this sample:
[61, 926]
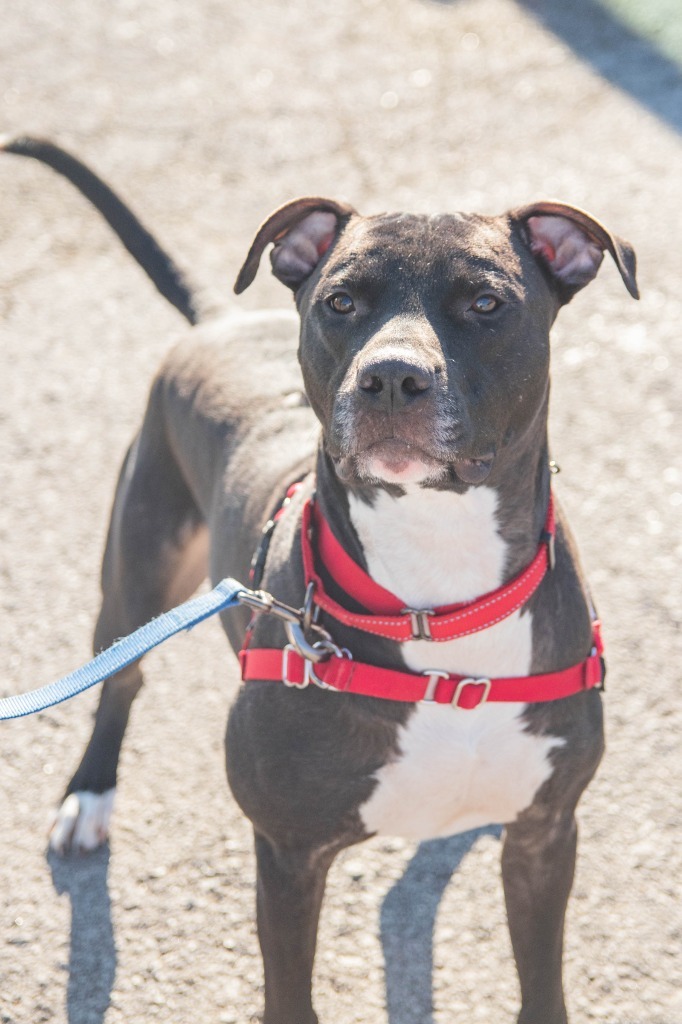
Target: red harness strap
[345, 675]
[390, 618]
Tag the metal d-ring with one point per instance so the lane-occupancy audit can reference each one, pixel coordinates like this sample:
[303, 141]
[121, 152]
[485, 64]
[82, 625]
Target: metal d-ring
[310, 610]
[332, 648]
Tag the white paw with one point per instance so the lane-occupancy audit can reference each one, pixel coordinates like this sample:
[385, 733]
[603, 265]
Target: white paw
[82, 822]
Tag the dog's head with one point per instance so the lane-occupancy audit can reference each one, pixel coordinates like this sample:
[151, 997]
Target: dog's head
[425, 339]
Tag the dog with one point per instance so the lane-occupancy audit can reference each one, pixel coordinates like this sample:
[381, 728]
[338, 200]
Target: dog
[444, 670]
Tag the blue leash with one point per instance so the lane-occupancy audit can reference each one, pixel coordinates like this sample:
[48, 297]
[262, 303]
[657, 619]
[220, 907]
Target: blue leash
[125, 651]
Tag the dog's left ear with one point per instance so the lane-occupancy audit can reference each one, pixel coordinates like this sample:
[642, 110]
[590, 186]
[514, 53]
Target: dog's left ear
[302, 230]
[571, 244]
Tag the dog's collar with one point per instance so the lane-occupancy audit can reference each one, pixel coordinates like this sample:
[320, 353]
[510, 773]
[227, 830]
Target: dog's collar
[387, 615]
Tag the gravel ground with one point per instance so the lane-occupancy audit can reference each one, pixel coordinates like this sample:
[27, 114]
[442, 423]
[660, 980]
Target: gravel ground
[206, 116]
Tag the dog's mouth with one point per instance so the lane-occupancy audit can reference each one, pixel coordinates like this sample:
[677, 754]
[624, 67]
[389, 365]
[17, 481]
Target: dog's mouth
[397, 461]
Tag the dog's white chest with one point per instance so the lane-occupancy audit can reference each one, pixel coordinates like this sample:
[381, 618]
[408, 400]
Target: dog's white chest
[455, 769]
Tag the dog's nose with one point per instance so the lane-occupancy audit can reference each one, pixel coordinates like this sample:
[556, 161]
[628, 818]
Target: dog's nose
[394, 382]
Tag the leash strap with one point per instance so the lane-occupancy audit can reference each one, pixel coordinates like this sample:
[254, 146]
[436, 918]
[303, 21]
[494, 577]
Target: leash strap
[346, 675]
[125, 651]
[389, 617]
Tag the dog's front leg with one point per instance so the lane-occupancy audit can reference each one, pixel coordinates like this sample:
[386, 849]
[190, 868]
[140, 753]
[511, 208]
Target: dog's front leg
[289, 895]
[538, 863]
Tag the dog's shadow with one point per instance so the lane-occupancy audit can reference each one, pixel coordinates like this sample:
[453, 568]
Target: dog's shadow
[92, 954]
[408, 917]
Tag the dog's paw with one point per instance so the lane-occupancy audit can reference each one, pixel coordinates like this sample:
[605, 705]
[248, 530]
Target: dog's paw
[82, 822]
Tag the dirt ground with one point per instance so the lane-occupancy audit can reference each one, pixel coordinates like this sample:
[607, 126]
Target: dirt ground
[206, 116]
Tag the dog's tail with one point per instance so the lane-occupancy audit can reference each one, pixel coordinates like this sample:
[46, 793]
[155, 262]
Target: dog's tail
[166, 275]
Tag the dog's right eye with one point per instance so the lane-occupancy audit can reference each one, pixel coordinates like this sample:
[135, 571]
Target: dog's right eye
[340, 302]
[486, 304]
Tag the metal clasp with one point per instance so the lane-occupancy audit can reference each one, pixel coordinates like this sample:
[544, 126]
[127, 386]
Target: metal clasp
[310, 651]
[261, 601]
[470, 681]
[600, 687]
[323, 649]
[434, 674]
[297, 621]
[419, 618]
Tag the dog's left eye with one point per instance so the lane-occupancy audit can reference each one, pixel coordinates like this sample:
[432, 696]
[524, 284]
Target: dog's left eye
[341, 303]
[485, 304]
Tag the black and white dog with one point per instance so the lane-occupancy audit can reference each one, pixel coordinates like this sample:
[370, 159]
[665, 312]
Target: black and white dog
[446, 672]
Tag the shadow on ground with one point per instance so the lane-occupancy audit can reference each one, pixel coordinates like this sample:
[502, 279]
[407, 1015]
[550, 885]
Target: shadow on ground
[408, 918]
[92, 954]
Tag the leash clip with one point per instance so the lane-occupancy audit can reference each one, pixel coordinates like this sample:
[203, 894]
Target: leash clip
[297, 621]
[262, 601]
[318, 650]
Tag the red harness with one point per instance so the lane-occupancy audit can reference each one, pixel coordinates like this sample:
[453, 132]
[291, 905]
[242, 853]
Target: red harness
[387, 617]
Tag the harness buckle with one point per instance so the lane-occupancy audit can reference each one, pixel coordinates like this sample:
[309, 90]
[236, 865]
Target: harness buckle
[323, 649]
[600, 687]
[434, 675]
[331, 648]
[471, 681]
[419, 618]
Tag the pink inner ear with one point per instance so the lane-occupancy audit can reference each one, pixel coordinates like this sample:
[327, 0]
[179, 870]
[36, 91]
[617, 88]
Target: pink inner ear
[297, 253]
[569, 252]
[540, 248]
[324, 244]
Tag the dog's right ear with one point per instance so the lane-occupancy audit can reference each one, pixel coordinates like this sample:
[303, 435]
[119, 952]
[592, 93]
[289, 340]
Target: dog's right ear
[302, 232]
